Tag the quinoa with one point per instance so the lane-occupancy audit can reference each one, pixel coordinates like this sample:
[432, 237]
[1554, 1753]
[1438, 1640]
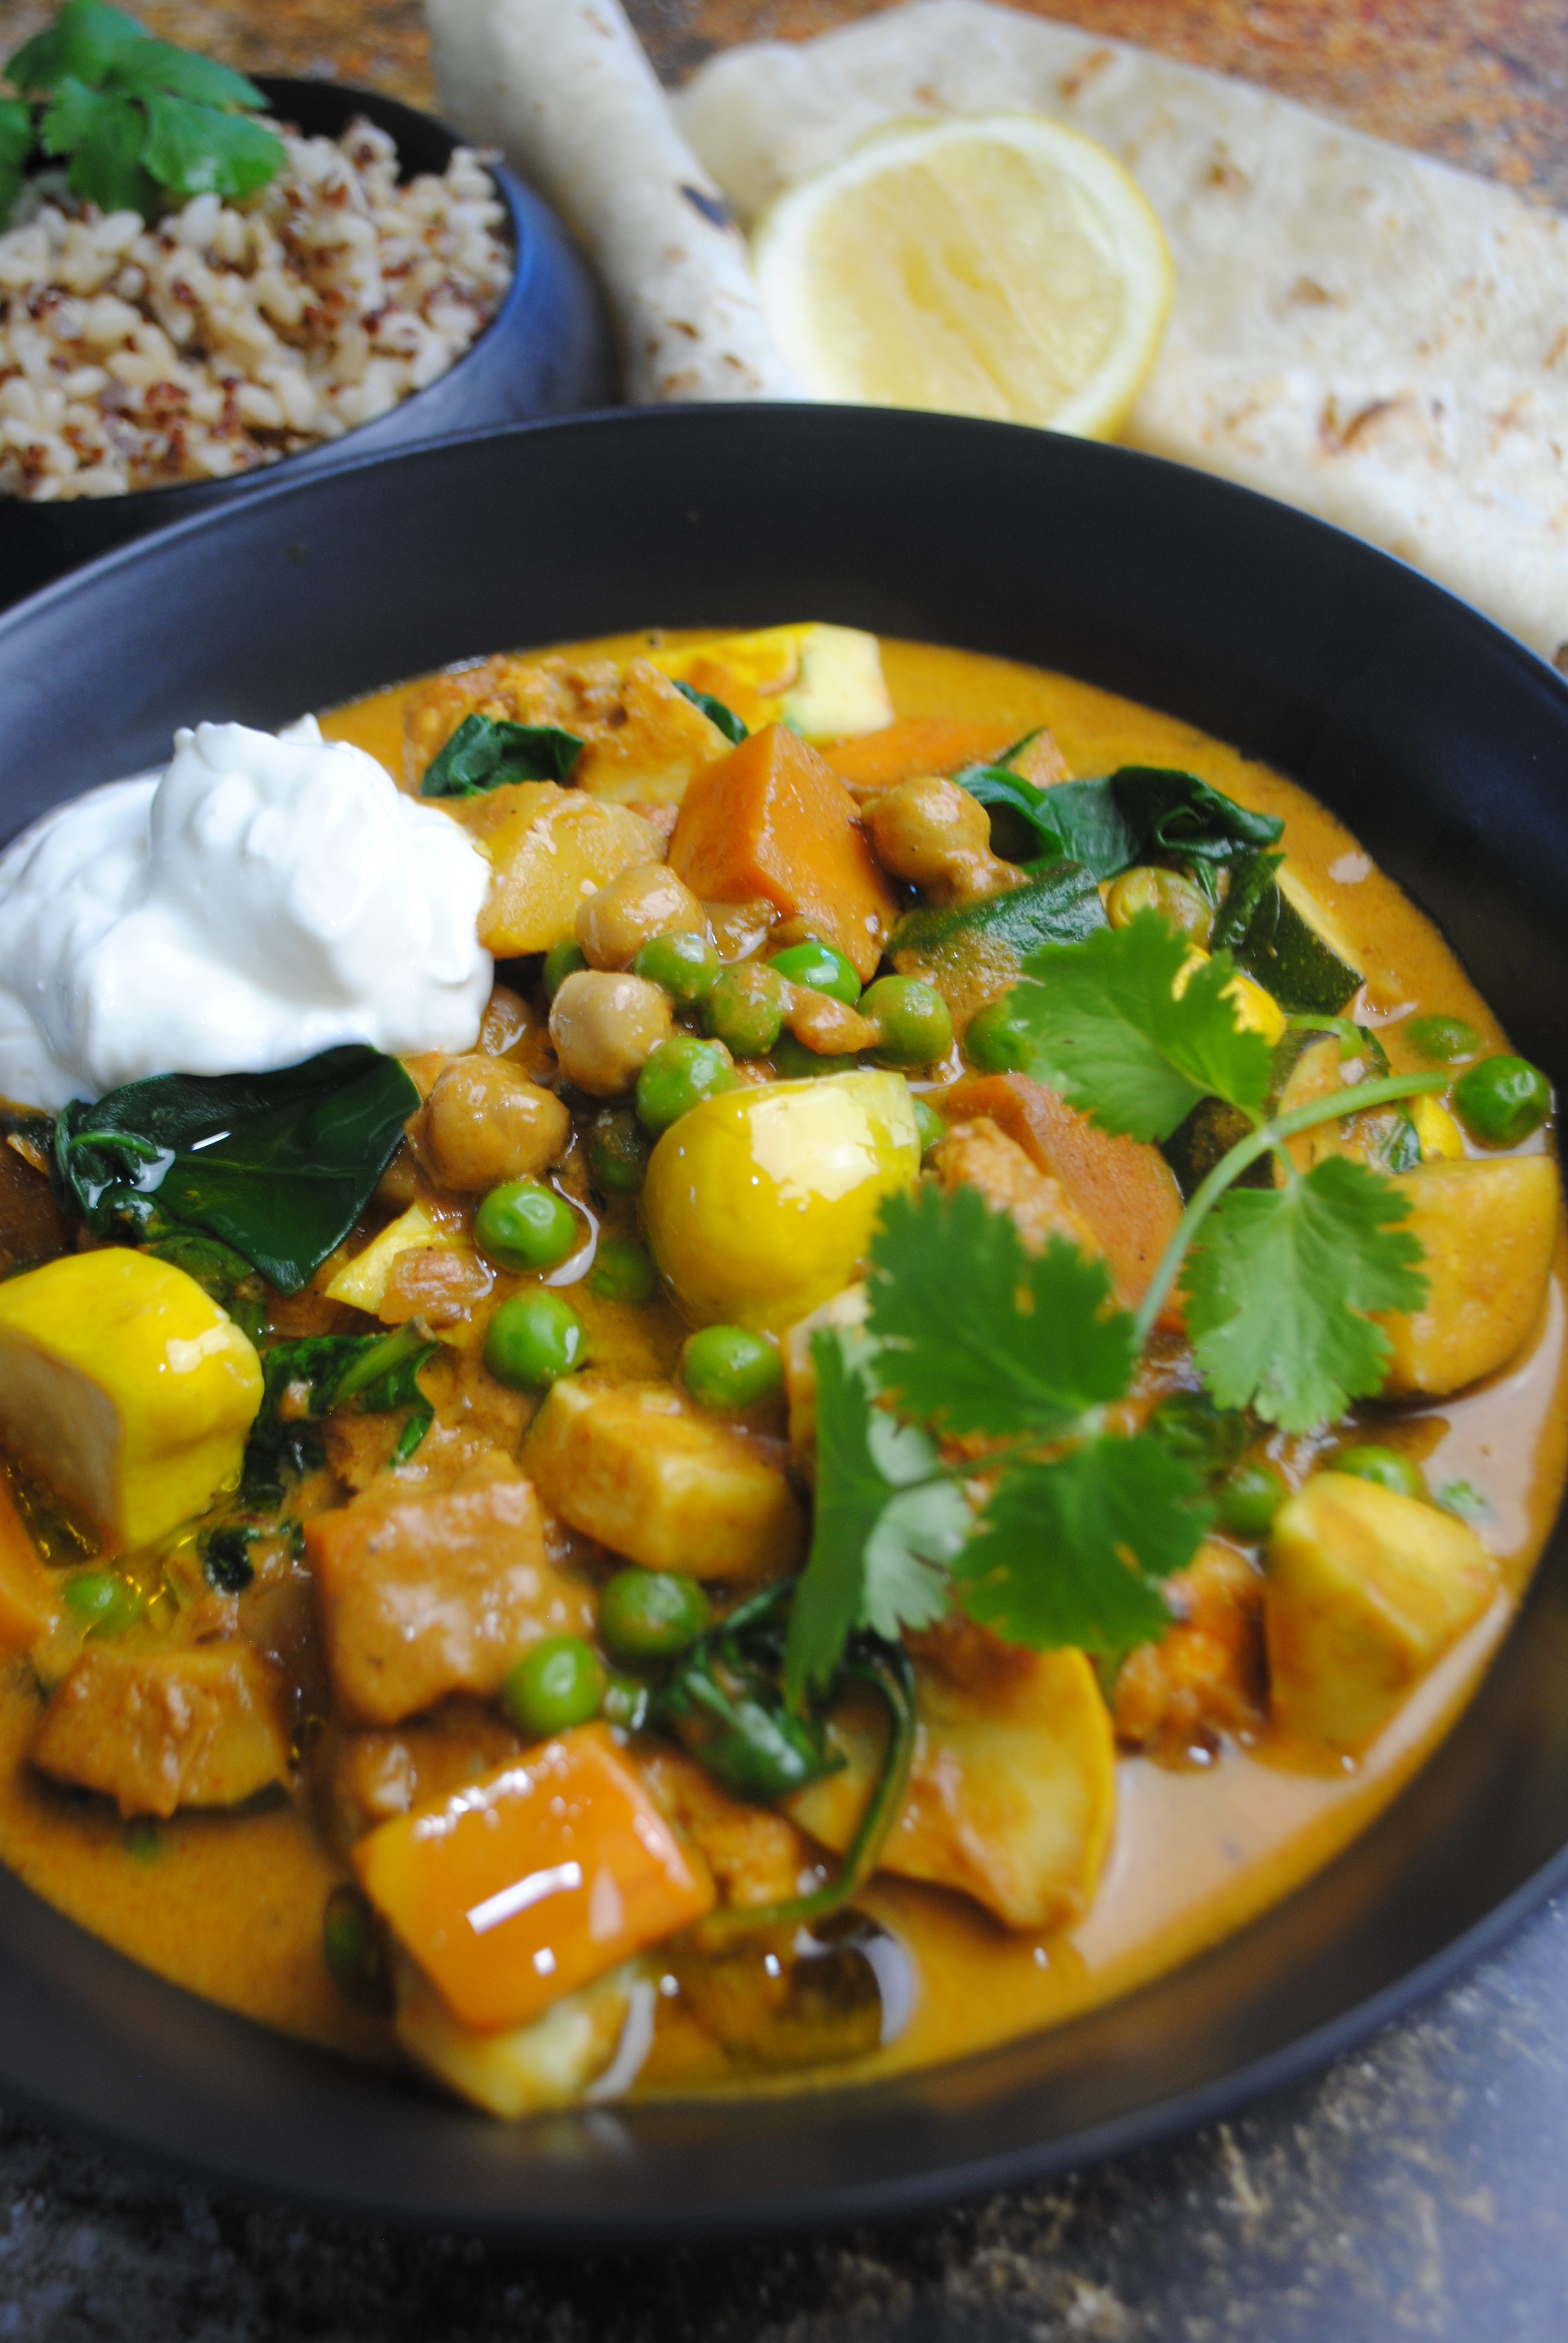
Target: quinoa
[223, 337]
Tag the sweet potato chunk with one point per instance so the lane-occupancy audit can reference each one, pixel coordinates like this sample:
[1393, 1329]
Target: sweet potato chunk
[1013, 1793]
[154, 1730]
[424, 1592]
[1125, 1190]
[914, 744]
[663, 1484]
[773, 819]
[533, 1880]
[1488, 1232]
[981, 1155]
[1366, 1591]
[1205, 1678]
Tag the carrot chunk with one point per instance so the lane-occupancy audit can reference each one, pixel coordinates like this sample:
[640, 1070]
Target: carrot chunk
[773, 819]
[1124, 1190]
[532, 1880]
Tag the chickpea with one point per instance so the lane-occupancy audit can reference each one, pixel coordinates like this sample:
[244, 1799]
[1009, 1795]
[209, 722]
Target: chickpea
[1146, 888]
[936, 835]
[829, 1027]
[485, 1123]
[508, 1018]
[605, 1028]
[613, 925]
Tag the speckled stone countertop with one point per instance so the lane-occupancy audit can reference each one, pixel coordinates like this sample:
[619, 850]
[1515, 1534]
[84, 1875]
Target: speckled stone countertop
[1418, 2188]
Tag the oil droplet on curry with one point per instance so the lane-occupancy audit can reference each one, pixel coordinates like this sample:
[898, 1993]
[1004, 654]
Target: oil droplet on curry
[772, 1552]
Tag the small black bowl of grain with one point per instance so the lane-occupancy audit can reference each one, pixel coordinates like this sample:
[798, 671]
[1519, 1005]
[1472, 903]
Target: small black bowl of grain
[391, 285]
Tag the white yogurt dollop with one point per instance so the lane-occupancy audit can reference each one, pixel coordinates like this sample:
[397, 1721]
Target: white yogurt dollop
[263, 897]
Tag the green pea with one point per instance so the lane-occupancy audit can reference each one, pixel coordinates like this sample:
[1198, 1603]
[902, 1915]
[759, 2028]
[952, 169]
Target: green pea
[1444, 1040]
[621, 1272]
[929, 1123]
[681, 1073]
[617, 1151]
[916, 1022]
[996, 1043]
[687, 966]
[729, 1367]
[533, 1340]
[820, 967]
[745, 1010]
[523, 1224]
[561, 960]
[1248, 1498]
[102, 1601]
[560, 1684]
[626, 1702]
[651, 1615]
[797, 1063]
[1389, 1468]
[1502, 1101]
[354, 1948]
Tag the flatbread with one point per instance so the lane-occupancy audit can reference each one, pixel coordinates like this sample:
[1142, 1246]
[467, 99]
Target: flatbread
[1361, 331]
[562, 86]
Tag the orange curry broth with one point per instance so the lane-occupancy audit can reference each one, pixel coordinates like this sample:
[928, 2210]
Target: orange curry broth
[231, 1906]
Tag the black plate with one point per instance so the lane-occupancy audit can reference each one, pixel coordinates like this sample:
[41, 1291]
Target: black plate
[1440, 742]
[545, 351]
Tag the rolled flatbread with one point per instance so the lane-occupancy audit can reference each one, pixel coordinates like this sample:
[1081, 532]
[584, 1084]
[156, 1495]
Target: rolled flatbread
[1361, 331]
[562, 86]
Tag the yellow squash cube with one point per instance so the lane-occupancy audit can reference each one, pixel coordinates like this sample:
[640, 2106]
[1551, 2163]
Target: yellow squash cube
[760, 1203]
[124, 1388]
[1488, 1231]
[660, 1481]
[825, 682]
[549, 848]
[1366, 1591]
[649, 759]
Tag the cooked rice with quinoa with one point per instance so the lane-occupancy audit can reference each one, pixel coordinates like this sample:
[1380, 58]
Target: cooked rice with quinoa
[223, 337]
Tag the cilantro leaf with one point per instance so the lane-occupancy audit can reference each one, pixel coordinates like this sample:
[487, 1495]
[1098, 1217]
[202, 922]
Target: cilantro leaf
[82, 43]
[1278, 1288]
[979, 1335]
[103, 135]
[148, 69]
[1070, 1552]
[193, 150]
[16, 146]
[881, 1527]
[1103, 1026]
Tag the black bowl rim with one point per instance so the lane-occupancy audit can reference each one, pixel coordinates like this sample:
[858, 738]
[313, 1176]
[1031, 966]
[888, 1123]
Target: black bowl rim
[906, 2193]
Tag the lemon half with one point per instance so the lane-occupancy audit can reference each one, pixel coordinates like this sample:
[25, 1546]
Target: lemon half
[998, 265]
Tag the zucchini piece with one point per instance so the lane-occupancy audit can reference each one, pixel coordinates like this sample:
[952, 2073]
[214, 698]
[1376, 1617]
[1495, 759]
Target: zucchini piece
[972, 951]
[1270, 926]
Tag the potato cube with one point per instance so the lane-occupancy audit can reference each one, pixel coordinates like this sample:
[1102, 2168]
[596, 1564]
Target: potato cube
[154, 1730]
[126, 1388]
[550, 848]
[1489, 1231]
[656, 1481]
[1366, 1590]
[532, 1880]
[548, 2063]
[650, 756]
[424, 1592]
[1012, 1794]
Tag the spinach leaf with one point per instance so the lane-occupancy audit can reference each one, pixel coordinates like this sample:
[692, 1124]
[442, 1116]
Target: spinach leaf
[726, 1704]
[279, 1166]
[1140, 813]
[315, 1376]
[485, 752]
[715, 711]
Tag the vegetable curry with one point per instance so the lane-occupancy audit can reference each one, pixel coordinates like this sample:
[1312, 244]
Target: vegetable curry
[953, 1392]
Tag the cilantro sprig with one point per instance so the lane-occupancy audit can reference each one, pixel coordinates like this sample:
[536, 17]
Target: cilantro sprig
[1045, 1525]
[139, 120]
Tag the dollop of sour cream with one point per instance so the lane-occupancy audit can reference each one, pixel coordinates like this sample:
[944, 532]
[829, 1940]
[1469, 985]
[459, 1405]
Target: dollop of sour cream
[263, 897]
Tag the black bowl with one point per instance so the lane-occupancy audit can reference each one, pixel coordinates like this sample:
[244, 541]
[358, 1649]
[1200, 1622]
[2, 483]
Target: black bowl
[1441, 741]
[547, 351]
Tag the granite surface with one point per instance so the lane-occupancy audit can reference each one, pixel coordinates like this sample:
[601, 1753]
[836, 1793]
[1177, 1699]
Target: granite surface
[1418, 2188]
